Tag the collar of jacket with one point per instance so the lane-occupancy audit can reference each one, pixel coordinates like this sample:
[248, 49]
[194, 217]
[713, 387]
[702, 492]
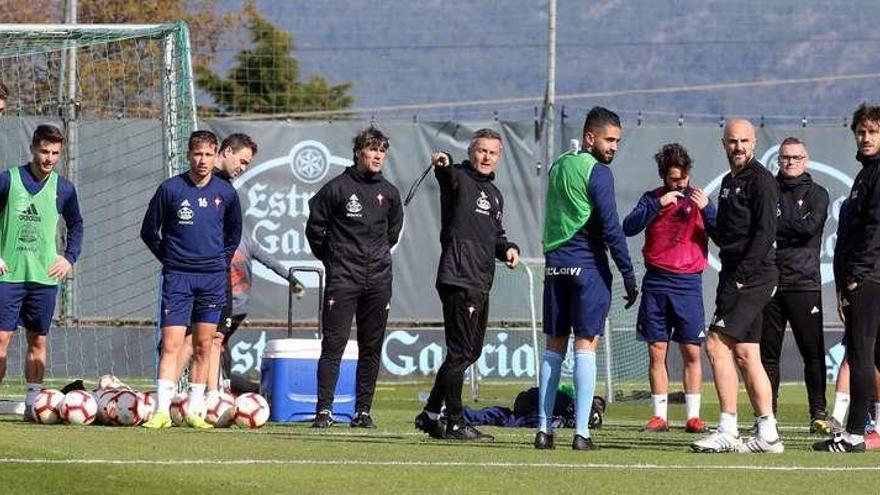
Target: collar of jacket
[867, 161]
[470, 170]
[748, 167]
[359, 176]
[219, 172]
[787, 183]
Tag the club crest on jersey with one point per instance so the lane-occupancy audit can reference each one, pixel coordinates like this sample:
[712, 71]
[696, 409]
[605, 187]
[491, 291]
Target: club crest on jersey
[483, 204]
[353, 206]
[217, 201]
[185, 213]
[379, 198]
[725, 192]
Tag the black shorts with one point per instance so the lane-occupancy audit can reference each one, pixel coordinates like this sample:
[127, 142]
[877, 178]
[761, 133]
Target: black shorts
[739, 312]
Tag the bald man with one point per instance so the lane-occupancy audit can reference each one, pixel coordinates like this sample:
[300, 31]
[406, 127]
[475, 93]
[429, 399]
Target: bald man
[745, 234]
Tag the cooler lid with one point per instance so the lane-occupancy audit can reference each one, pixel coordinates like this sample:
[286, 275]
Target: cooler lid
[303, 349]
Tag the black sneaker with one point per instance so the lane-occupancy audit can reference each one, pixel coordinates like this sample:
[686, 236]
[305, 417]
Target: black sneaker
[460, 430]
[324, 419]
[28, 416]
[362, 420]
[544, 441]
[838, 444]
[435, 428]
[581, 443]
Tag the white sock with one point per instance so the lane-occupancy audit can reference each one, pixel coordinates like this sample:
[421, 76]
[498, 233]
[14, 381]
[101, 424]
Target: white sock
[32, 391]
[432, 415]
[692, 404]
[852, 438]
[727, 424]
[164, 393]
[197, 398]
[767, 428]
[211, 393]
[661, 403]
[876, 412]
[841, 406]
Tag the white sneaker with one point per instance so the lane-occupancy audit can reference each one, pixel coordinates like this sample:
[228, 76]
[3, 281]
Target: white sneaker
[717, 442]
[757, 445]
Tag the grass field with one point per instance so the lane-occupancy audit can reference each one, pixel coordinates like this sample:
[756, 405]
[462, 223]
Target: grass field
[293, 458]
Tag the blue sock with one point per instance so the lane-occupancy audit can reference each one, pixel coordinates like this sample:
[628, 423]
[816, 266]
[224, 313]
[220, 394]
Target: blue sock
[551, 368]
[584, 388]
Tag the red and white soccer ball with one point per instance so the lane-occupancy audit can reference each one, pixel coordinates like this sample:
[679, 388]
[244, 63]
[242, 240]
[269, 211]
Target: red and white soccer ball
[179, 408]
[150, 403]
[126, 408]
[79, 408]
[251, 411]
[220, 409]
[47, 406]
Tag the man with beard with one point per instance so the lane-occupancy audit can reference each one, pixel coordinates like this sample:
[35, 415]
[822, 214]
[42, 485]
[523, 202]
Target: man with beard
[856, 258]
[745, 235]
[580, 224]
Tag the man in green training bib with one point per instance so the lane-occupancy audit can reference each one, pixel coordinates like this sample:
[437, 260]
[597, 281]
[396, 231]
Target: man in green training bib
[33, 197]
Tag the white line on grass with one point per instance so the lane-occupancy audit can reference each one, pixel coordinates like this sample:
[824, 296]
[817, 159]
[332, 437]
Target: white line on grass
[441, 464]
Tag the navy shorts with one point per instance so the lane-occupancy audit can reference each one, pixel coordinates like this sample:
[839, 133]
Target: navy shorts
[28, 305]
[576, 299]
[665, 316]
[189, 298]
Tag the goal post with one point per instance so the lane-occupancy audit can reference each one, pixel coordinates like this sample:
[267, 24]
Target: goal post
[124, 97]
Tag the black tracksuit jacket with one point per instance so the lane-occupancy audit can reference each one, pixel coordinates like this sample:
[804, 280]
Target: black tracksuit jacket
[857, 254]
[803, 208]
[354, 220]
[471, 234]
[746, 223]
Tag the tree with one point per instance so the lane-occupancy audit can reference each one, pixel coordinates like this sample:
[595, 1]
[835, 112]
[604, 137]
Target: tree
[266, 78]
[119, 78]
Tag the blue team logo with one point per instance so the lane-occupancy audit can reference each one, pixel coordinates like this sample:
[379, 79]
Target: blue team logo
[831, 178]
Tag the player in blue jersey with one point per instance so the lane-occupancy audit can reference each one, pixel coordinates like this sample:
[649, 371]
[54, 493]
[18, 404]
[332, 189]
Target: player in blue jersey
[580, 225]
[192, 226]
[33, 198]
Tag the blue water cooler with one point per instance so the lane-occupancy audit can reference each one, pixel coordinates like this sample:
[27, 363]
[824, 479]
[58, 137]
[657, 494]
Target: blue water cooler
[290, 380]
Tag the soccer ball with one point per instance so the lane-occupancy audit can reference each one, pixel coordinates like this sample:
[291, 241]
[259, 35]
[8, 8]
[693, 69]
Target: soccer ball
[221, 408]
[150, 403]
[79, 408]
[251, 411]
[46, 406]
[179, 408]
[125, 408]
[109, 382]
[103, 398]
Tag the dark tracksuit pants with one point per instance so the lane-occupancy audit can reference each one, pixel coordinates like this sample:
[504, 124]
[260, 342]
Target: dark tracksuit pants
[862, 352]
[465, 316]
[369, 306]
[803, 310]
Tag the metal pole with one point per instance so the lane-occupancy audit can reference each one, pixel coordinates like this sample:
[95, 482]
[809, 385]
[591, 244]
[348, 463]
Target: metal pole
[68, 110]
[609, 391]
[290, 277]
[550, 103]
